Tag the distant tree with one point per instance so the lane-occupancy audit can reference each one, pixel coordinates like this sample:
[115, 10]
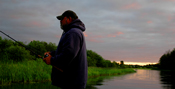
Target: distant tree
[94, 59]
[121, 62]
[115, 64]
[106, 63]
[167, 60]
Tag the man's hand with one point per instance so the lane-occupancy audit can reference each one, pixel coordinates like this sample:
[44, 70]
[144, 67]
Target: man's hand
[47, 58]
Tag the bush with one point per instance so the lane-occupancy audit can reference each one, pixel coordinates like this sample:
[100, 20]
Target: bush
[17, 53]
[5, 43]
[41, 47]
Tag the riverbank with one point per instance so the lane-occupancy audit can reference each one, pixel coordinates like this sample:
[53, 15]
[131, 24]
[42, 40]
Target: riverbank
[37, 71]
[95, 72]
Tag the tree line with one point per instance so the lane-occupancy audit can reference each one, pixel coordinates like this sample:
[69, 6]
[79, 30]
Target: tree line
[12, 51]
[167, 60]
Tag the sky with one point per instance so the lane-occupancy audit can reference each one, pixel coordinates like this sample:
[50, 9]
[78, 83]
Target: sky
[119, 30]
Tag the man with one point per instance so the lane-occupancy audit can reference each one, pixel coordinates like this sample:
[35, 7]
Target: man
[69, 61]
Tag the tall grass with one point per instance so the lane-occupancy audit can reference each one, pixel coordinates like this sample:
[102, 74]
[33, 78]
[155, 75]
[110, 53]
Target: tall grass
[26, 71]
[95, 72]
[38, 71]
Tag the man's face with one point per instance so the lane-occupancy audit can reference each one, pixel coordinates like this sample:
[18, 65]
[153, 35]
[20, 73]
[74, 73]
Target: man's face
[65, 21]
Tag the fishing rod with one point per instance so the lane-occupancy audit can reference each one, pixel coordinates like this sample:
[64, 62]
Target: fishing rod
[21, 45]
[30, 50]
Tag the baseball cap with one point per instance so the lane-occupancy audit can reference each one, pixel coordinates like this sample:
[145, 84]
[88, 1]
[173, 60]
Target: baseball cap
[68, 13]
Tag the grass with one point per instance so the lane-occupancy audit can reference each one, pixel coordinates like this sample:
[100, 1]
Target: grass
[27, 71]
[38, 71]
[95, 72]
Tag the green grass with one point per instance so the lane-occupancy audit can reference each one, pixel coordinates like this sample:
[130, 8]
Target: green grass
[26, 71]
[38, 71]
[94, 71]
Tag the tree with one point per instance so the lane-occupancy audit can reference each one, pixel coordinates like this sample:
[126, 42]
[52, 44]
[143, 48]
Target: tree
[17, 53]
[121, 62]
[167, 60]
[94, 58]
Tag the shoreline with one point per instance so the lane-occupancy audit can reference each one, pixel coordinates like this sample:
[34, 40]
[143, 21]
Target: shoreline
[37, 71]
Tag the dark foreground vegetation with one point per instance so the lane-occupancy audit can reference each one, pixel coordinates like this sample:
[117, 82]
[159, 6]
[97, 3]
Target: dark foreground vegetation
[167, 61]
[18, 64]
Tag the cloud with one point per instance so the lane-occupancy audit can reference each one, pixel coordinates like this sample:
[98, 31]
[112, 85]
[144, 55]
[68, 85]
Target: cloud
[36, 24]
[171, 0]
[134, 5]
[149, 22]
[85, 34]
[115, 34]
[58, 36]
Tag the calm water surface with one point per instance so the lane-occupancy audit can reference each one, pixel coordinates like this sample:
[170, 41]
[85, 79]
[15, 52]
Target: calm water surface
[142, 79]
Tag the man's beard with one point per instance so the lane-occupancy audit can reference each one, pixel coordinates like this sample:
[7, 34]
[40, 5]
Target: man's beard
[64, 27]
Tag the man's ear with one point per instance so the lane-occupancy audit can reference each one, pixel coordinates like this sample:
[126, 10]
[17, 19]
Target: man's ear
[70, 19]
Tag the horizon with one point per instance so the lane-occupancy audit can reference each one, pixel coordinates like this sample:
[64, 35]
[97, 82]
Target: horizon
[139, 63]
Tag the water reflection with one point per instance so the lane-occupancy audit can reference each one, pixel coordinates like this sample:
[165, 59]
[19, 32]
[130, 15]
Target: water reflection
[167, 79]
[142, 79]
[144, 75]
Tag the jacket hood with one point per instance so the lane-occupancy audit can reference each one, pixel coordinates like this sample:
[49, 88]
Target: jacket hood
[76, 24]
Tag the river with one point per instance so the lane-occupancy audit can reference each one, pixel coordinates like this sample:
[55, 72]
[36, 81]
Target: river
[142, 79]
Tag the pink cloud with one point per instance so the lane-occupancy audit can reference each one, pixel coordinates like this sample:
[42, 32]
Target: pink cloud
[111, 35]
[85, 34]
[132, 6]
[149, 22]
[119, 33]
[36, 24]
[58, 36]
[143, 15]
[99, 38]
[95, 40]
[115, 34]
[172, 30]
[14, 17]
[91, 38]
[170, 17]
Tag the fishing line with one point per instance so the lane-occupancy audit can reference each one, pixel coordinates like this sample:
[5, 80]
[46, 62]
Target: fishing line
[21, 44]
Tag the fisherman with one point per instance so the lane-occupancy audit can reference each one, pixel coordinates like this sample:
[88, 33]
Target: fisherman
[69, 60]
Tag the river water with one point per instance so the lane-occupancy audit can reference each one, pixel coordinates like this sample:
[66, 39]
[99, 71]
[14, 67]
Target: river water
[142, 79]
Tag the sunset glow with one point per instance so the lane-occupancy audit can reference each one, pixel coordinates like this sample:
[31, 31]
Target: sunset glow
[137, 63]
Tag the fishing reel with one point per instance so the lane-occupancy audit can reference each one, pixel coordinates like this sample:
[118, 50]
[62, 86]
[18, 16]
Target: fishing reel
[46, 55]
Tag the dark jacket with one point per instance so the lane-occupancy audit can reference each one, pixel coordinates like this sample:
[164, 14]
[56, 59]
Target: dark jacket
[70, 57]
